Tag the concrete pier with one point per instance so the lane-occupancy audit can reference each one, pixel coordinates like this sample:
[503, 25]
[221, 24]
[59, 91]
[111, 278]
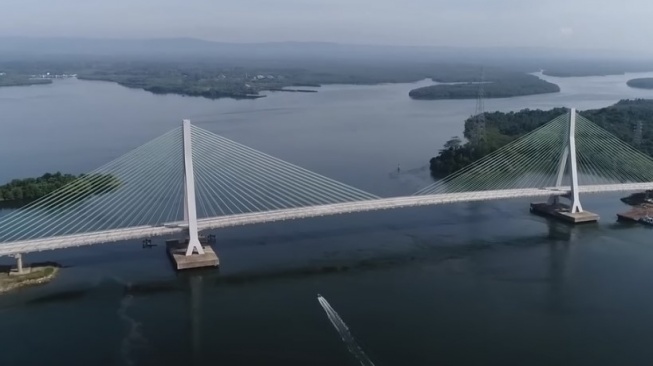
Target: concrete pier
[19, 263]
[177, 254]
[561, 212]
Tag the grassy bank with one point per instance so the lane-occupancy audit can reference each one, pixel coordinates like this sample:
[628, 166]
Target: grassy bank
[35, 275]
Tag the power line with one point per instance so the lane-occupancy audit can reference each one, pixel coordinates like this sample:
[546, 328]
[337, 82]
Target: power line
[478, 130]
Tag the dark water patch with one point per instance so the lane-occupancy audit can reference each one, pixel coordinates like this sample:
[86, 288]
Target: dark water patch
[260, 276]
[180, 282]
[107, 288]
[431, 255]
[333, 228]
[153, 288]
[61, 296]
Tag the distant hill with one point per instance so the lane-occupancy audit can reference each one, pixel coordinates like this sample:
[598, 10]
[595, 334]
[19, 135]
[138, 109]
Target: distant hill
[563, 62]
[190, 47]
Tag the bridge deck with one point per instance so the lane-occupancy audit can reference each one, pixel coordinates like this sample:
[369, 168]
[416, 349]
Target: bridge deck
[41, 244]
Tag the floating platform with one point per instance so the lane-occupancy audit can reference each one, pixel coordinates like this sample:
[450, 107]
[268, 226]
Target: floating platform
[636, 213]
[561, 212]
[177, 253]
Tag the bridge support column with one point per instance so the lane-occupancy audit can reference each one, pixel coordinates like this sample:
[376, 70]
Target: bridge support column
[19, 263]
[194, 255]
[574, 213]
[190, 214]
[574, 197]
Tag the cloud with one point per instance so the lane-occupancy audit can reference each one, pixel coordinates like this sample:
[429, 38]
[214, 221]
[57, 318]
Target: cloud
[509, 23]
[566, 31]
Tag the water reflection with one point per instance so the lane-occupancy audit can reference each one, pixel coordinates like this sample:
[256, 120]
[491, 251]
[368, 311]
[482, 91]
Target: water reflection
[195, 282]
[560, 248]
[559, 231]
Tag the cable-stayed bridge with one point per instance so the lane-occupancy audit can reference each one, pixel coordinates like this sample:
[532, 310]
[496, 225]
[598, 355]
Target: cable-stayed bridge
[190, 180]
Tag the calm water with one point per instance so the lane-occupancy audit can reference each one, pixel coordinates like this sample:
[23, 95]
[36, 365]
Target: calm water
[469, 284]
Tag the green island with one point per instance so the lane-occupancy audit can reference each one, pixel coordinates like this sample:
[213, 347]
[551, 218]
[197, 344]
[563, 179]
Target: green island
[31, 276]
[10, 79]
[641, 83]
[250, 79]
[502, 128]
[496, 84]
[21, 191]
[247, 81]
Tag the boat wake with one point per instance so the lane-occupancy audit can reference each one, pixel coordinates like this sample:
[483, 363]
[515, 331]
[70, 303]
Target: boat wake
[344, 332]
[134, 337]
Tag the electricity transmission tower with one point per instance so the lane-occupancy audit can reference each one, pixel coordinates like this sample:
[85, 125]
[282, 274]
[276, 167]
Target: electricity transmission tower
[478, 131]
[637, 135]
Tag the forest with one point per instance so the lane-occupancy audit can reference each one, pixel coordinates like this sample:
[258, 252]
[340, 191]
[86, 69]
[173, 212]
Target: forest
[620, 119]
[248, 80]
[29, 189]
[496, 85]
[7, 79]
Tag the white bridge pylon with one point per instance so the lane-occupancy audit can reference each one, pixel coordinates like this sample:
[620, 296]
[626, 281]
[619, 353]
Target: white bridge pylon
[190, 203]
[569, 160]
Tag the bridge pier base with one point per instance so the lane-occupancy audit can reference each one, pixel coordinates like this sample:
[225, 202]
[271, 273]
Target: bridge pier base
[563, 212]
[572, 213]
[180, 260]
[19, 264]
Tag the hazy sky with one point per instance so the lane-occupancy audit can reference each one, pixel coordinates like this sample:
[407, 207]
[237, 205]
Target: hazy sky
[559, 23]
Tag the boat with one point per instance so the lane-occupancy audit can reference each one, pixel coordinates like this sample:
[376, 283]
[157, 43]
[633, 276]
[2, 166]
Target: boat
[638, 198]
[646, 220]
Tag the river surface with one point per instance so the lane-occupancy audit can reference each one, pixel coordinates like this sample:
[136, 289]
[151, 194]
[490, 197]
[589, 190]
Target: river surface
[468, 284]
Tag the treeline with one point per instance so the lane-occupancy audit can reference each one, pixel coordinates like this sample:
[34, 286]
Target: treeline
[571, 68]
[499, 85]
[30, 189]
[621, 119]
[20, 80]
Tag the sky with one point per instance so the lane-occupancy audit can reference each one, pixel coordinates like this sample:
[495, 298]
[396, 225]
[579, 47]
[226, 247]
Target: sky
[592, 24]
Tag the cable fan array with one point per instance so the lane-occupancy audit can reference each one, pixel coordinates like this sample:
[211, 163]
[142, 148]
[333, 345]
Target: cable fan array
[603, 158]
[146, 187]
[231, 178]
[142, 187]
[528, 162]
[533, 160]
